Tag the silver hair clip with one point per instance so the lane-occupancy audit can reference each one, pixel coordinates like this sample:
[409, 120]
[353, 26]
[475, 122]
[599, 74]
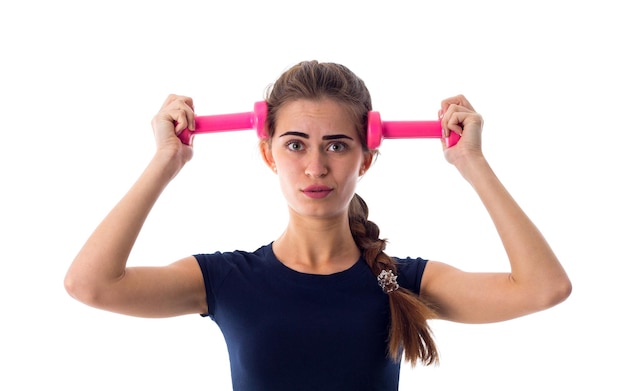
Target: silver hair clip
[387, 281]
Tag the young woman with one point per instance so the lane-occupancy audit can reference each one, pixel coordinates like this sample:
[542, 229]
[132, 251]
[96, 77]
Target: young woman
[322, 307]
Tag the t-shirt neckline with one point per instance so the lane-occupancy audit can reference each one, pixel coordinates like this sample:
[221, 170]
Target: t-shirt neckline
[286, 270]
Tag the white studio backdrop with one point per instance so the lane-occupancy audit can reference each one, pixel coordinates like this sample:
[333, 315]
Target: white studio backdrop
[80, 82]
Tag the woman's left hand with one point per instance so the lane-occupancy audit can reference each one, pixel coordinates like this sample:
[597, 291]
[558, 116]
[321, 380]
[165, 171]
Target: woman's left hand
[458, 115]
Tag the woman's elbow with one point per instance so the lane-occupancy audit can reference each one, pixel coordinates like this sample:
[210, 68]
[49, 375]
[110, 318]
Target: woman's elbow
[74, 289]
[556, 292]
[81, 289]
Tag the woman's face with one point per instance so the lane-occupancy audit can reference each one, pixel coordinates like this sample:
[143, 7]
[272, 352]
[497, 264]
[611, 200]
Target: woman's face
[317, 156]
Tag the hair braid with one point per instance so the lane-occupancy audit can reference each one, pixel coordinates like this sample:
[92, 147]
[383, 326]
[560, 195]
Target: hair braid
[409, 330]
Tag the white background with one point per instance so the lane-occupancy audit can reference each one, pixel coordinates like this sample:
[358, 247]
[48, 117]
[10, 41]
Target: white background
[80, 82]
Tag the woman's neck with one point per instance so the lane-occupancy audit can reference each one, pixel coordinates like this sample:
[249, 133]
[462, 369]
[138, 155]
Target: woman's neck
[317, 246]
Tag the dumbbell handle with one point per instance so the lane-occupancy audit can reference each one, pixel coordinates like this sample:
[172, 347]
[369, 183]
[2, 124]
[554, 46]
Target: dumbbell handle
[376, 129]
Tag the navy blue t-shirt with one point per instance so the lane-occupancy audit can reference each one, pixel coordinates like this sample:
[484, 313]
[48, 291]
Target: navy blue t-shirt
[287, 330]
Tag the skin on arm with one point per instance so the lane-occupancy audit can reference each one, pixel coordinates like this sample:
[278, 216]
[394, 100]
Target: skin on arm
[537, 280]
[99, 277]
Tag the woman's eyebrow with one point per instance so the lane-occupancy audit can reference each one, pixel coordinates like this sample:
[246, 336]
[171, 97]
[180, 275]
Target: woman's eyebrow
[299, 134]
[336, 137]
[327, 137]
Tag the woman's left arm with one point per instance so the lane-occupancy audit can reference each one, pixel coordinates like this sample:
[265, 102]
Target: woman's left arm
[536, 280]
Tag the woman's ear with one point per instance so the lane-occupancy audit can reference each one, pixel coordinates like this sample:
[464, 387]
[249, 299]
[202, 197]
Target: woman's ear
[266, 153]
[368, 158]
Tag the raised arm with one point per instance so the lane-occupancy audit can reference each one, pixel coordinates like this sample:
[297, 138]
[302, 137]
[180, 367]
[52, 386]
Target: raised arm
[536, 280]
[99, 277]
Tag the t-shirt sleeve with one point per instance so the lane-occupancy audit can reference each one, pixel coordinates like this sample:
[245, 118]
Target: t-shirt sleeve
[215, 267]
[410, 272]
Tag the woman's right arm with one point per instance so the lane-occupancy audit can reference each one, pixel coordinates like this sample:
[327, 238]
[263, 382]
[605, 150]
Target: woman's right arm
[99, 277]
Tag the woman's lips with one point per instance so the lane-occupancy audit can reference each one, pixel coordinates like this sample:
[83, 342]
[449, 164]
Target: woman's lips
[317, 191]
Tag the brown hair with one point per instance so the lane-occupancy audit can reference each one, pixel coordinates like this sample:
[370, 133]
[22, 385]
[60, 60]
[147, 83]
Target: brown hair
[409, 330]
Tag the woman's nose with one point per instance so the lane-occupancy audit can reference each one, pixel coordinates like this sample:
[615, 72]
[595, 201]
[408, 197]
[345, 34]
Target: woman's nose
[317, 166]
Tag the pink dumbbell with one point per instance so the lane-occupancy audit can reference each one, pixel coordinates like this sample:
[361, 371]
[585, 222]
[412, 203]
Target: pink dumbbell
[376, 129]
[226, 122]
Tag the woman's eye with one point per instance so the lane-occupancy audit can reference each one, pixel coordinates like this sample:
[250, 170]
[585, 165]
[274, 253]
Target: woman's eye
[294, 146]
[337, 147]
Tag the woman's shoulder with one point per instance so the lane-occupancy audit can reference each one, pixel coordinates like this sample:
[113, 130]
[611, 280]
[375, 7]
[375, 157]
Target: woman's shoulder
[235, 256]
[410, 272]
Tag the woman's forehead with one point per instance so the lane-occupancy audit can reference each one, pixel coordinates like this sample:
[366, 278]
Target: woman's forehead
[324, 114]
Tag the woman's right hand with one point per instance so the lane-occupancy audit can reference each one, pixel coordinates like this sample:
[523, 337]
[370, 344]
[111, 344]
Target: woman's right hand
[176, 114]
